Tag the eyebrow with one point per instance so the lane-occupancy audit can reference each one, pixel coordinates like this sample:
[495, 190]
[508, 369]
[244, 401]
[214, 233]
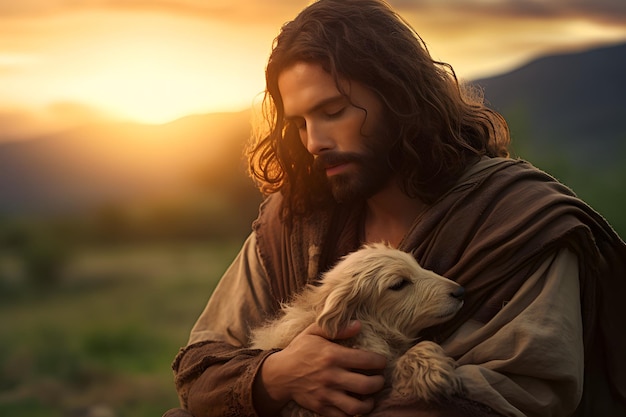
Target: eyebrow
[317, 106]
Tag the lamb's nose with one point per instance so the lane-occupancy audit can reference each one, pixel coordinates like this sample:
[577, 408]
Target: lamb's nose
[459, 292]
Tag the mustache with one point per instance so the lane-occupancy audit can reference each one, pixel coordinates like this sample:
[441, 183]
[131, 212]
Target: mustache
[331, 159]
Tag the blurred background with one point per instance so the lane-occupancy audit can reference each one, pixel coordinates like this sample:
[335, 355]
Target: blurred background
[123, 193]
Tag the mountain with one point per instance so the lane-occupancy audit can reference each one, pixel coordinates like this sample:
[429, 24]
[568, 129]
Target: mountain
[570, 105]
[110, 163]
[567, 116]
[566, 113]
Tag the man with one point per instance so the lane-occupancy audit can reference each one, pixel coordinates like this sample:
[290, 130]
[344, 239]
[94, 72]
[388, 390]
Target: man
[370, 140]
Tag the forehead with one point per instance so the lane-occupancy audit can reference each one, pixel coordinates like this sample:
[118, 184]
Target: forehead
[304, 85]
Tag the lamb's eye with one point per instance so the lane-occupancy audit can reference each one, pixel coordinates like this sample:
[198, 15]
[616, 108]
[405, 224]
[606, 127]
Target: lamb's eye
[399, 284]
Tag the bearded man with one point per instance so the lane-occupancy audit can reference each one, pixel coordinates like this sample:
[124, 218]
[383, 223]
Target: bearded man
[369, 139]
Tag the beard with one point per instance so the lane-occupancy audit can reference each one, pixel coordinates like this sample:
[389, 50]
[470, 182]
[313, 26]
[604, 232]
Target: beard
[370, 171]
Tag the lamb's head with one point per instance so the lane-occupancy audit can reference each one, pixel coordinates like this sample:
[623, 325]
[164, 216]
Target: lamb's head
[387, 286]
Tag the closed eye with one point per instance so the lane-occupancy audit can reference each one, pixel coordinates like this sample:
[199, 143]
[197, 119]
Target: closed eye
[399, 284]
[334, 115]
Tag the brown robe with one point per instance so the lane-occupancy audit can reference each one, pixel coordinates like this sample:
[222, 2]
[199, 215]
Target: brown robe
[489, 233]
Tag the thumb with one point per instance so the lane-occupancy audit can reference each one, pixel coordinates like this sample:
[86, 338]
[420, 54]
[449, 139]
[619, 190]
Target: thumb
[352, 329]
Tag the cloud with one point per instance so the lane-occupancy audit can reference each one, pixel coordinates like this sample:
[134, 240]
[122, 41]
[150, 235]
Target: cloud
[230, 10]
[610, 12]
[601, 11]
[105, 52]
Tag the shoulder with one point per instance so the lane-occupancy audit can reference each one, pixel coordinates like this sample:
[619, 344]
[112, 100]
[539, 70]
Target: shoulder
[507, 172]
[514, 186]
[271, 206]
[516, 199]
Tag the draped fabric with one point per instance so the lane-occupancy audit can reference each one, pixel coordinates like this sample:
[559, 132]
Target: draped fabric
[489, 233]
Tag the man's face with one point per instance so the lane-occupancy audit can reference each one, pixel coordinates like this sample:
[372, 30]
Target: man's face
[345, 134]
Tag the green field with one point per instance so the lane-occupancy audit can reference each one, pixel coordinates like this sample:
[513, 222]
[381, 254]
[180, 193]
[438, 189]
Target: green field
[103, 338]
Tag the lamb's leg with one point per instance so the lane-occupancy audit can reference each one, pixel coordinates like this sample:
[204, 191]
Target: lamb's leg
[425, 373]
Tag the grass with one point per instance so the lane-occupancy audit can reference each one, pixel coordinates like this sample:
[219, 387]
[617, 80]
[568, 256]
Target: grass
[105, 336]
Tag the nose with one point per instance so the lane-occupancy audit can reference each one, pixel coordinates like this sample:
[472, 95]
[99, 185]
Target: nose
[316, 139]
[459, 293]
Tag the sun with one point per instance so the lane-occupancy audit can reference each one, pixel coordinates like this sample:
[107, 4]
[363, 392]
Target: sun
[157, 78]
[152, 69]
[155, 87]
[168, 70]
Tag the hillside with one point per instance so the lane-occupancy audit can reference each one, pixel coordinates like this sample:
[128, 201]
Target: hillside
[570, 105]
[119, 162]
[565, 112]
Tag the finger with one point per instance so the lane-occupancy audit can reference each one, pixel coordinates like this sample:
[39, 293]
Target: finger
[360, 360]
[343, 405]
[351, 405]
[329, 411]
[360, 384]
[352, 329]
[334, 402]
[346, 357]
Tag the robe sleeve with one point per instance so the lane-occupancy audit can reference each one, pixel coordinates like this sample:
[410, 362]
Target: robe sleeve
[214, 373]
[528, 360]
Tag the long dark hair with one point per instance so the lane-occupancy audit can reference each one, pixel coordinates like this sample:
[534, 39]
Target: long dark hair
[437, 126]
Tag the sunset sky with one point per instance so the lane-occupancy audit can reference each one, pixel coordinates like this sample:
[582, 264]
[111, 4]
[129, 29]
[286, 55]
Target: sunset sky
[155, 61]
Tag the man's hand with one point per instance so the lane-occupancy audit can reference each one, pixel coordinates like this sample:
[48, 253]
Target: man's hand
[320, 375]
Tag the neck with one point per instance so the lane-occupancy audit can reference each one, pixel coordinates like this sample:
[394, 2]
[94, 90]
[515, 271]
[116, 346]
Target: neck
[390, 214]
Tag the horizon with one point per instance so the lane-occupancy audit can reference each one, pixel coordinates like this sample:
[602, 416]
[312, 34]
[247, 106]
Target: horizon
[59, 117]
[62, 65]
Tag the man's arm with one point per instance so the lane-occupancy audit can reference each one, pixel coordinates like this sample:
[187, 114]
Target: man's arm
[528, 360]
[217, 375]
[215, 371]
[319, 375]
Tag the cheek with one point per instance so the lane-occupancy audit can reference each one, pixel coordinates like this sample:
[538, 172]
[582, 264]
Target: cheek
[294, 136]
[351, 132]
[374, 120]
[301, 133]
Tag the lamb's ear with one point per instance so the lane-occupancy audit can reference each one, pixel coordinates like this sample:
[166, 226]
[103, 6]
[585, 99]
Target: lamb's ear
[339, 308]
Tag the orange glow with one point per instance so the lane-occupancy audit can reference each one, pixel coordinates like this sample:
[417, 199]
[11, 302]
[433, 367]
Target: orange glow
[152, 69]
[482, 45]
[154, 65]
